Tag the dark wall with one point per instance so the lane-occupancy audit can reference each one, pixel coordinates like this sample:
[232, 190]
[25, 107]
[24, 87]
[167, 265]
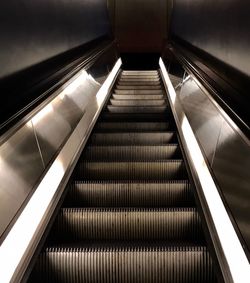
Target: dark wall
[32, 31]
[218, 27]
[139, 25]
[41, 41]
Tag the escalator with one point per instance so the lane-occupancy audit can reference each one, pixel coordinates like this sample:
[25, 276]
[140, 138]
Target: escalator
[129, 214]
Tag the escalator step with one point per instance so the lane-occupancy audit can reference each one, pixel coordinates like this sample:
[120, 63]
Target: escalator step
[128, 194]
[147, 87]
[130, 126]
[127, 224]
[137, 97]
[124, 265]
[159, 102]
[164, 170]
[139, 72]
[133, 138]
[142, 76]
[138, 83]
[139, 79]
[137, 109]
[139, 76]
[130, 214]
[139, 91]
[132, 153]
[135, 117]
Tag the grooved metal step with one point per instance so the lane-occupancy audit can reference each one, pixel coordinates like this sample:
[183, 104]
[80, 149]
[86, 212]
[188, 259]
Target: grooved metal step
[130, 194]
[139, 91]
[163, 170]
[133, 138]
[130, 126]
[135, 117]
[132, 153]
[139, 79]
[148, 102]
[139, 83]
[137, 97]
[127, 224]
[123, 264]
[139, 72]
[138, 75]
[137, 109]
[130, 214]
[139, 87]
[143, 78]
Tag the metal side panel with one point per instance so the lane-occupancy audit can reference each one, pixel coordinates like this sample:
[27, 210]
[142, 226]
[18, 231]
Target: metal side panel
[20, 243]
[48, 127]
[213, 143]
[202, 115]
[226, 149]
[231, 167]
[65, 111]
[20, 165]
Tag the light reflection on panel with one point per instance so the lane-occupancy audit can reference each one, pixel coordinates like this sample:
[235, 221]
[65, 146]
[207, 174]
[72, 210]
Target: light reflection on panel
[63, 114]
[15, 245]
[102, 67]
[202, 115]
[51, 131]
[25, 158]
[232, 169]
[230, 250]
[20, 166]
[15, 256]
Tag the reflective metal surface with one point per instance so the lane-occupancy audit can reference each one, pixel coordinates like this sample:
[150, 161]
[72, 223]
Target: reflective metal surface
[202, 115]
[231, 167]
[63, 114]
[20, 167]
[25, 154]
[15, 255]
[221, 198]
[226, 149]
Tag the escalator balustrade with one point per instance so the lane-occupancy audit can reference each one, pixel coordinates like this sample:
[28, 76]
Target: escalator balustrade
[130, 214]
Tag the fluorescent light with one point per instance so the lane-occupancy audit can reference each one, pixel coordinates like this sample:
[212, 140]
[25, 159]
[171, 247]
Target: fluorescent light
[232, 248]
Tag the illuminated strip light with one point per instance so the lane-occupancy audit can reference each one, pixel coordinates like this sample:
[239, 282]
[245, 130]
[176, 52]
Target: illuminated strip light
[232, 248]
[19, 240]
[104, 90]
[78, 81]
